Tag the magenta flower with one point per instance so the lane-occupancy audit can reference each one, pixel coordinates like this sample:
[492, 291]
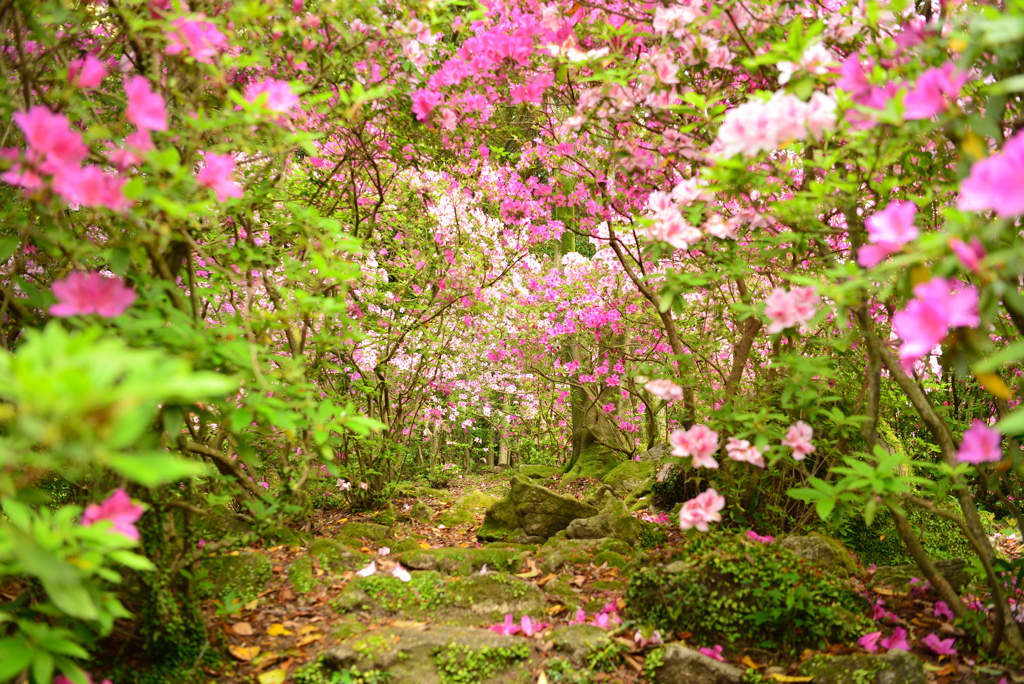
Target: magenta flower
[702, 509]
[507, 628]
[424, 101]
[869, 642]
[888, 231]
[89, 186]
[939, 646]
[970, 255]
[278, 94]
[119, 510]
[715, 653]
[898, 640]
[530, 627]
[580, 618]
[218, 174]
[82, 293]
[937, 306]
[401, 573]
[932, 92]
[743, 451]
[760, 539]
[942, 611]
[61, 679]
[146, 109]
[197, 37]
[699, 442]
[787, 309]
[51, 136]
[979, 445]
[86, 72]
[665, 389]
[798, 438]
[997, 183]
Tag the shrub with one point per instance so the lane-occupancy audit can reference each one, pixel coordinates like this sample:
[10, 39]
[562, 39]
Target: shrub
[735, 590]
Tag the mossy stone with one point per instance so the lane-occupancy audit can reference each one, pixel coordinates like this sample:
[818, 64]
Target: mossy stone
[622, 527]
[561, 589]
[493, 596]
[538, 472]
[403, 545]
[455, 561]
[595, 462]
[244, 575]
[335, 557]
[616, 545]
[421, 512]
[895, 667]
[361, 530]
[300, 574]
[578, 641]
[466, 508]
[627, 476]
[822, 551]
[387, 517]
[346, 628]
[608, 585]
[614, 560]
[538, 512]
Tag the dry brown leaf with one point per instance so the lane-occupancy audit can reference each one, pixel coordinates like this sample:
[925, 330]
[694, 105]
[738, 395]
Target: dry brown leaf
[242, 629]
[632, 662]
[287, 595]
[244, 653]
[409, 624]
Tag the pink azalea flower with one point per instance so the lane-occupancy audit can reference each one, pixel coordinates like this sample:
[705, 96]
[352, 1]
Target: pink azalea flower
[401, 573]
[61, 679]
[699, 441]
[932, 92]
[51, 136]
[939, 646]
[279, 95]
[760, 539]
[787, 309]
[997, 183]
[89, 186]
[135, 147]
[869, 642]
[715, 653]
[798, 438]
[119, 510]
[368, 570]
[898, 640]
[530, 627]
[888, 231]
[507, 628]
[82, 293]
[979, 445]
[742, 450]
[343, 484]
[942, 611]
[580, 618]
[197, 37]
[970, 255]
[424, 101]
[937, 306]
[86, 72]
[701, 510]
[665, 389]
[146, 109]
[218, 174]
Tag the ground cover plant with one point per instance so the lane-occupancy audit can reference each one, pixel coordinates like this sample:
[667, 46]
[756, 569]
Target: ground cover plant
[370, 340]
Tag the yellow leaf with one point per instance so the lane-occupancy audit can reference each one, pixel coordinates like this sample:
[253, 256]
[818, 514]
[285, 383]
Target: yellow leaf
[974, 145]
[244, 653]
[543, 679]
[307, 640]
[749, 662]
[528, 575]
[994, 384]
[424, 545]
[308, 629]
[274, 676]
[554, 610]
[919, 274]
[277, 629]
[957, 44]
[786, 678]
[251, 605]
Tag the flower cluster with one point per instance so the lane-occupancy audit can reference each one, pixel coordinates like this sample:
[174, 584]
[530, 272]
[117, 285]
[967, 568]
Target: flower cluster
[764, 126]
[938, 305]
[704, 508]
[997, 183]
[787, 309]
[888, 231]
[699, 442]
[81, 294]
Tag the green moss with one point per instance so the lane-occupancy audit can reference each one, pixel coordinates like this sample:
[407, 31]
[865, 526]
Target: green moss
[243, 575]
[652, 535]
[881, 543]
[538, 472]
[300, 574]
[608, 585]
[595, 462]
[455, 561]
[729, 589]
[407, 544]
[617, 546]
[360, 530]
[614, 560]
[466, 508]
[387, 517]
[335, 557]
[463, 665]
[626, 476]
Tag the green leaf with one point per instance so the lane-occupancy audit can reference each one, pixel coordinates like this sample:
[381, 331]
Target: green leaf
[8, 246]
[824, 508]
[42, 667]
[1012, 424]
[15, 656]
[71, 597]
[131, 560]
[155, 469]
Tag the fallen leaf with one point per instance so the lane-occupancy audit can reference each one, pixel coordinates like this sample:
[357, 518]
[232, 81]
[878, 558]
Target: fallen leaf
[786, 678]
[528, 575]
[307, 640]
[274, 676]
[278, 629]
[409, 624]
[244, 653]
[749, 662]
[555, 609]
[547, 578]
[251, 605]
[543, 679]
[242, 629]
[265, 659]
[633, 663]
[287, 595]
[425, 545]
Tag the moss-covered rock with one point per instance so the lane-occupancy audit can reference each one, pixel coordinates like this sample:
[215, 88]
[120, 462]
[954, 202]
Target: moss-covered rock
[387, 517]
[403, 545]
[727, 589]
[627, 476]
[335, 557]
[465, 509]
[455, 561]
[243, 575]
[955, 570]
[576, 642]
[538, 472]
[617, 546]
[362, 530]
[595, 462]
[421, 512]
[538, 512]
[603, 526]
[881, 543]
[561, 591]
[300, 574]
[895, 667]
[614, 560]
[825, 552]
